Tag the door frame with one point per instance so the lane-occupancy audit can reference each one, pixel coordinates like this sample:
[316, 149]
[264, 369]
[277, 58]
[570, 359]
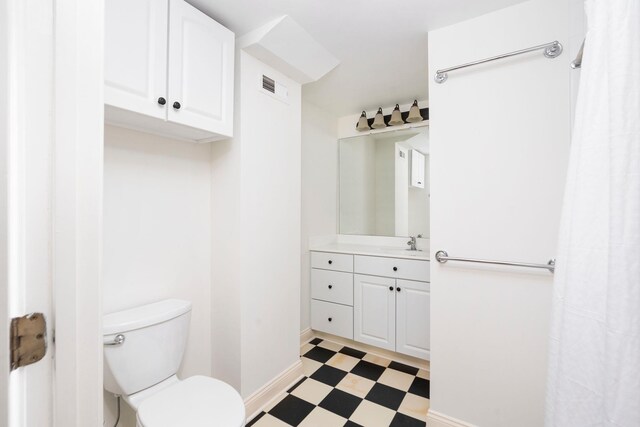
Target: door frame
[77, 252]
[76, 193]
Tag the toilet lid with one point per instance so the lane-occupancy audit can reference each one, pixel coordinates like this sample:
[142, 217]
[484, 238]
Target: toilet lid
[195, 402]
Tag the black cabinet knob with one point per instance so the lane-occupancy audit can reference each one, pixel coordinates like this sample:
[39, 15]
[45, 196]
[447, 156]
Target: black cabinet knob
[330, 262]
[176, 105]
[330, 286]
[395, 268]
[330, 319]
[398, 289]
[391, 288]
[162, 101]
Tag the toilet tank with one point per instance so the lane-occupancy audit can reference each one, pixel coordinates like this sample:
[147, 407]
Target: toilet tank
[155, 337]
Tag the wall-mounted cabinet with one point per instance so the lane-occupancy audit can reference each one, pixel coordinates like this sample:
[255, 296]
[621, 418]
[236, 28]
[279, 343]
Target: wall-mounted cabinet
[418, 162]
[168, 70]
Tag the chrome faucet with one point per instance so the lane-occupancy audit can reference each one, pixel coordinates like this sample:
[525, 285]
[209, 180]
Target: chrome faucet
[412, 242]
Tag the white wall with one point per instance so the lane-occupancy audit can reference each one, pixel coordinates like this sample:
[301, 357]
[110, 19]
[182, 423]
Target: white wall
[256, 233]
[157, 216]
[499, 146]
[319, 190]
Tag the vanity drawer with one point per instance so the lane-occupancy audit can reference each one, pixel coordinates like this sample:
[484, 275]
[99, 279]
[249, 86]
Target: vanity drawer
[332, 286]
[335, 319]
[332, 261]
[392, 267]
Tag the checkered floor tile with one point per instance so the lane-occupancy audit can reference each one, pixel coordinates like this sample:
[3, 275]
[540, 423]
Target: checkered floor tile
[346, 387]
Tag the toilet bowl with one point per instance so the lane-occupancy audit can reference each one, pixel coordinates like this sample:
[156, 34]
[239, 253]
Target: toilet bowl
[143, 349]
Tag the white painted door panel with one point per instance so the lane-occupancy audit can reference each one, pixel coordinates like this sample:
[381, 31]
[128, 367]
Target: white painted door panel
[335, 319]
[135, 50]
[412, 318]
[374, 311]
[26, 186]
[201, 60]
[332, 286]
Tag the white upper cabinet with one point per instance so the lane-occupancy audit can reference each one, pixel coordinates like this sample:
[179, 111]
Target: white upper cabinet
[135, 48]
[417, 169]
[201, 55]
[168, 70]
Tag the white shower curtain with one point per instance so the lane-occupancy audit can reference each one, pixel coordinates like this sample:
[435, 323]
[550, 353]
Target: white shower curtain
[594, 372]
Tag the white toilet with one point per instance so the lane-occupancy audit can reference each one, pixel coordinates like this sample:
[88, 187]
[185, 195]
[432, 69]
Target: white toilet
[143, 348]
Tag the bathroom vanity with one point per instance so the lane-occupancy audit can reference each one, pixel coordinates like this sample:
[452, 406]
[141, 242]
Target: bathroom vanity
[374, 295]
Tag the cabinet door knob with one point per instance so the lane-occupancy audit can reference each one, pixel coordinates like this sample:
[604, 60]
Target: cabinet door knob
[395, 268]
[330, 319]
[330, 286]
[330, 262]
[162, 101]
[176, 105]
[398, 289]
[391, 288]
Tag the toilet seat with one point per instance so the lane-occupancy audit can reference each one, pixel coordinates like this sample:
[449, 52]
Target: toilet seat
[197, 401]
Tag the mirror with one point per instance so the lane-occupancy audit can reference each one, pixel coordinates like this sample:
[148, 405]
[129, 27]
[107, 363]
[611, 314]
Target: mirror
[383, 184]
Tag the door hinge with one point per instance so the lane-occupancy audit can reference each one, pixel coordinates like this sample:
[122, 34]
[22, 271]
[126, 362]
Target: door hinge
[28, 339]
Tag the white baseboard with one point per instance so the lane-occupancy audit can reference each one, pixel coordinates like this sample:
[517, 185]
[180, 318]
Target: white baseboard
[436, 419]
[306, 336]
[265, 395]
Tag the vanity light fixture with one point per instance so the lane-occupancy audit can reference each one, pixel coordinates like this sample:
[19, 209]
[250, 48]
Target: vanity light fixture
[396, 117]
[363, 123]
[414, 113]
[378, 121]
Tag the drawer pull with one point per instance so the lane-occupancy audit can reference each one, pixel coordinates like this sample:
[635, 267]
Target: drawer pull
[395, 268]
[330, 262]
[330, 319]
[330, 286]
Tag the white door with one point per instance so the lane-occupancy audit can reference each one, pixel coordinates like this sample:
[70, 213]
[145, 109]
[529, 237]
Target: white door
[135, 50]
[51, 115]
[412, 318]
[374, 311]
[26, 215]
[201, 57]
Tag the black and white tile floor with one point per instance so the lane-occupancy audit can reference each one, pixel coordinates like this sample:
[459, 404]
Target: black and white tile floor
[346, 387]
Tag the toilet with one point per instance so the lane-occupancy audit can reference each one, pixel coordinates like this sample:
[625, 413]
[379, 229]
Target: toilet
[143, 349]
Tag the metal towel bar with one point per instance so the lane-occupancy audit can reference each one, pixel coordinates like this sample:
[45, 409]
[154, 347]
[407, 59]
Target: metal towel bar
[443, 256]
[551, 50]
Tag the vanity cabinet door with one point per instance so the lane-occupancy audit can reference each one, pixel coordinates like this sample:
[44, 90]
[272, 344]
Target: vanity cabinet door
[135, 49]
[374, 311]
[201, 61]
[412, 317]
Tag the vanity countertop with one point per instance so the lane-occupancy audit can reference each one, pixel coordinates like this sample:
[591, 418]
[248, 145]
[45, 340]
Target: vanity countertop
[372, 250]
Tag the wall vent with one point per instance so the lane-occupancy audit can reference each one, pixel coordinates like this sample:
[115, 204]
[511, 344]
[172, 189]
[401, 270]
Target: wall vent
[279, 90]
[268, 84]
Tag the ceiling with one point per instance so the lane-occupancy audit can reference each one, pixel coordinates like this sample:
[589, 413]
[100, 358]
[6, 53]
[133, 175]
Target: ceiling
[382, 45]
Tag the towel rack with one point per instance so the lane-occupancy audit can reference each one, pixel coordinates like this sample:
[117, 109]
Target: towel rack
[551, 50]
[443, 256]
